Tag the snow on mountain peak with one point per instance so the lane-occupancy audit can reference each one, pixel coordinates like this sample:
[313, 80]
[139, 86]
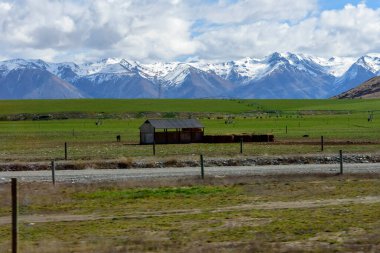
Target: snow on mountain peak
[177, 75]
[370, 62]
[246, 68]
[59, 68]
[14, 64]
[295, 75]
[335, 66]
[240, 71]
[107, 66]
[110, 61]
[21, 63]
[158, 69]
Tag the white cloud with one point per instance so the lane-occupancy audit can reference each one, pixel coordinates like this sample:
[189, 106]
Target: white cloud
[148, 30]
[5, 7]
[352, 31]
[65, 24]
[143, 30]
[255, 10]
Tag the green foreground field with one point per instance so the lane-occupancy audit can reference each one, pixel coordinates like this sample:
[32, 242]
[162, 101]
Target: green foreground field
[250, 214]
[341, 122]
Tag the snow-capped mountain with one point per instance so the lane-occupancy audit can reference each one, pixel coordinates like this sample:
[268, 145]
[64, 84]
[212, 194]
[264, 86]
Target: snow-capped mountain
[279, 75]
[362, 70]
[186, 81]
[21, 79]
[288, 76]
[249, 69]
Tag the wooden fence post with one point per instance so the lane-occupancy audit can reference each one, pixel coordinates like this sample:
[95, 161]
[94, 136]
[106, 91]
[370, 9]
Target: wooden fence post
[202, 168]
[53, 171]
[65, 150]
[321, 143]
[154, 147]
[241, 145]
[341, 161]
[14, 216]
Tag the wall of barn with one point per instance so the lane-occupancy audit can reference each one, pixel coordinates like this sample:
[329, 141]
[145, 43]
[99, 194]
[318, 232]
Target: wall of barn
[174, 137]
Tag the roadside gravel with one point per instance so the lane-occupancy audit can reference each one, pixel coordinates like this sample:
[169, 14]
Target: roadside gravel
[193, 161]
[96, 175]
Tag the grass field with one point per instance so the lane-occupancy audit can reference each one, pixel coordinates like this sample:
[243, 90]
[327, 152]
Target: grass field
[261, 214]
[336, 120]
[233, 106]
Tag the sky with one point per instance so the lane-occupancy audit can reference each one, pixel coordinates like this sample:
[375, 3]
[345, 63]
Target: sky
[186, 30]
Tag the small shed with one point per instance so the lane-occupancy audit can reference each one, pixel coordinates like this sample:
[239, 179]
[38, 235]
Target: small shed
[171, 131]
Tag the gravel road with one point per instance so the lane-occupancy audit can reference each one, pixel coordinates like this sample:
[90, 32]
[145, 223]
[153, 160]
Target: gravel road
[91, 175]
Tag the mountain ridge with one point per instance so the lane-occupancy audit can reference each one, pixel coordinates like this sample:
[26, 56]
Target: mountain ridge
[279, 75]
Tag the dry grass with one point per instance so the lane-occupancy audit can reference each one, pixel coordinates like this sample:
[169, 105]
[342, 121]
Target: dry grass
[334, 228]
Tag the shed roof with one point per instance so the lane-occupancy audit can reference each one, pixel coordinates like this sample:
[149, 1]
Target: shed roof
[174, 123]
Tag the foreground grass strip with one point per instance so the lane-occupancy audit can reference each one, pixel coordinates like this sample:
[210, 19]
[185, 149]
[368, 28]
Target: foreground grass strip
[127, 197]
[333, 227]
[247, 214]
[138, 215]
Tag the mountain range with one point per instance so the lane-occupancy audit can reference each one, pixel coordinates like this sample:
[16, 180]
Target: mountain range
[279, 76]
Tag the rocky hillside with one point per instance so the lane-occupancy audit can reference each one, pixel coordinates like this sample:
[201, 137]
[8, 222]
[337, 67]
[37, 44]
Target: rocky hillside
[369, 89]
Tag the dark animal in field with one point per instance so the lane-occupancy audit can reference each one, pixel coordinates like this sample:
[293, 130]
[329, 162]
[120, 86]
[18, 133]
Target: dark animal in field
[118, 138]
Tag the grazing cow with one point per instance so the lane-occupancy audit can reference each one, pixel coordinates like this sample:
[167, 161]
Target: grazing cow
[118, 138]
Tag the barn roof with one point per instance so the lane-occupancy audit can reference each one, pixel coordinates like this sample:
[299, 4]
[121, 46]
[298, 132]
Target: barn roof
[174, 123]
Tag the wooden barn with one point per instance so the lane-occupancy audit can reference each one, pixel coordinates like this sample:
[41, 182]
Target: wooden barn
[171, 131]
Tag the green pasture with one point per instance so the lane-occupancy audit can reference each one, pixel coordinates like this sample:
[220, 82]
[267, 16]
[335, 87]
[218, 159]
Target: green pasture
[44, 140]
[343, 121]
[233, 106]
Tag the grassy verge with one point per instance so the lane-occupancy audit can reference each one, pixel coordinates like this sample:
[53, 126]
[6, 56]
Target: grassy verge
[192, 216]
